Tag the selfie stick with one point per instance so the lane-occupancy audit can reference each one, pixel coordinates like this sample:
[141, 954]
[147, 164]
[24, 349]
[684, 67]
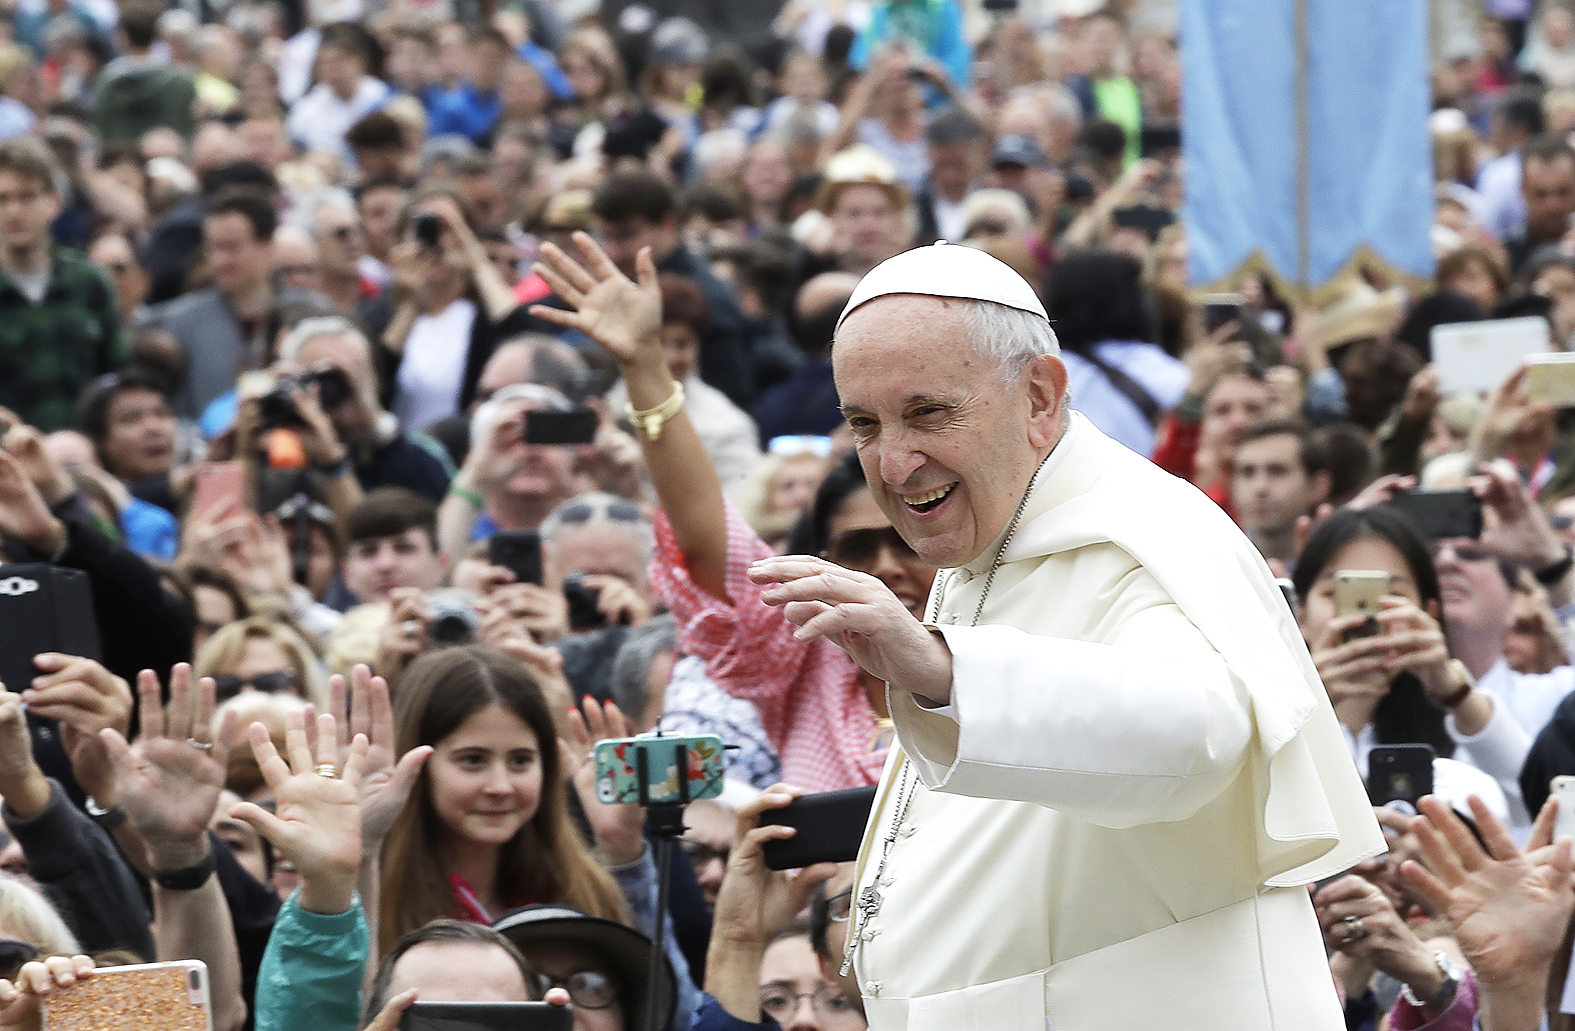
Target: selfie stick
[665, 820]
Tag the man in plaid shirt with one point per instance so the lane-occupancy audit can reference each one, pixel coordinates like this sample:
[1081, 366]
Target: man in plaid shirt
[59, 324]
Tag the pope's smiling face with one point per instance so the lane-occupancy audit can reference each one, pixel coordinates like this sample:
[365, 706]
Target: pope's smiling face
[947, 446]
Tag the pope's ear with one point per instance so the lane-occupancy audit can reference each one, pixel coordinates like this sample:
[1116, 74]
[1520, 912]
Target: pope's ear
[1046, 381]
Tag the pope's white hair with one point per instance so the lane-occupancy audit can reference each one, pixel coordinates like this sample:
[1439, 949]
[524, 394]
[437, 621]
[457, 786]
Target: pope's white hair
[1009, 337]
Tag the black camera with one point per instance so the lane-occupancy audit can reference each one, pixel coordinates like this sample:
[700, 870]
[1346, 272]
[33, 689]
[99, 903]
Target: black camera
[278, 407]
[427, 227]
[583, 599]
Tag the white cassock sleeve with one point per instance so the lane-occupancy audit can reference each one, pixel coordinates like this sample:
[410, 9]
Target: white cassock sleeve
[1146, 729]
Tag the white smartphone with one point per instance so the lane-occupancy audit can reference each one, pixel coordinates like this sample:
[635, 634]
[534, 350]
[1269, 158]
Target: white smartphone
[1563, 789]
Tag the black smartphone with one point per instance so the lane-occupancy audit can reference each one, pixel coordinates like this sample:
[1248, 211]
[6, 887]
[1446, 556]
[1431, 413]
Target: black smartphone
[1221, 309]
[1399, 774]
[577, 426]
[1441, 514]
[830, 828]
[487, 1016]
[518, 551]
[427, 228]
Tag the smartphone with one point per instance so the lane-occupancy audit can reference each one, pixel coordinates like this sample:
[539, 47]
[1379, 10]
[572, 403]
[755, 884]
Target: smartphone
[1442, 514]
[518, 551]
[1221, 309]
[1563, 789]
[219, 487]
[577, 426]
[1356, 591]
[1550, 378]
[1399, 775]
[427, 228]
[487, 1016]
[584, 603]
[830, 828]
[650, 769]
[143, 997]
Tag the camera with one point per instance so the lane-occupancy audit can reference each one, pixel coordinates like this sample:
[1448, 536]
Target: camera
[452, 619]
[278, 406]
[426, 227]
[583, 599]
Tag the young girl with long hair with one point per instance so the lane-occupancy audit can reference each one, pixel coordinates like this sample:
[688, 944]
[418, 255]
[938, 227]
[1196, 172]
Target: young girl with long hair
[487, 828]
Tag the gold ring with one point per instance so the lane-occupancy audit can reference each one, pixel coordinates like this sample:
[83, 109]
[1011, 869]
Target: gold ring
[328, 770]
[1354, 928]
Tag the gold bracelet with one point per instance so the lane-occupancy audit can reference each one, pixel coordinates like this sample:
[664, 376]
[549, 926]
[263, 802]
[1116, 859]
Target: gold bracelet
[651, 421]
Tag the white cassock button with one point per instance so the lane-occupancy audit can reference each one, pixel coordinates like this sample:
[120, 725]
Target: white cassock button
[964, 575]
[948, 617]
[870, 933]
[871, 987]
[907, 830]
[885, 880]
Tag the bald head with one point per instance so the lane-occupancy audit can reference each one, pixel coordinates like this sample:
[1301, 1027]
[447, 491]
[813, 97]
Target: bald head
[533, 358]
[824, 292]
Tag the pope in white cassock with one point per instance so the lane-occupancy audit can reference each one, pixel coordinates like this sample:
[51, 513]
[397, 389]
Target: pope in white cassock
[1116, 767]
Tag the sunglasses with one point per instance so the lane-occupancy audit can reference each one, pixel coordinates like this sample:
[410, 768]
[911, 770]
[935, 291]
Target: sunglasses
[862, 547]
[617, 511]
[276, 682]
[588, 989]
[13, 954]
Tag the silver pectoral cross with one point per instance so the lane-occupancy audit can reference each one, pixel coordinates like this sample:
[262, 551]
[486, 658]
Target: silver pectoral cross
[869, 902]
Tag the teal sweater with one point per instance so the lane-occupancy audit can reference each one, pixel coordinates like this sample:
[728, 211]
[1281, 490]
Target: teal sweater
[312, 970]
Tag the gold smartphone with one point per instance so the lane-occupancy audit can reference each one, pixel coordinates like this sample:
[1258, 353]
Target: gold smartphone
[141, 997]
[1550, 379]
[1356, 592]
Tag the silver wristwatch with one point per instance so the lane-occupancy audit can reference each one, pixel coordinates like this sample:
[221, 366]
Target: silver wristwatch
[1445, 995]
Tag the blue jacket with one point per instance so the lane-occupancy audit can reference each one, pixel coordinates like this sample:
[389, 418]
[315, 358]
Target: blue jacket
[311, 974]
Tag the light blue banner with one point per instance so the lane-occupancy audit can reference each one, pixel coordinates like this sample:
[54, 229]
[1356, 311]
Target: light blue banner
[1305, 137]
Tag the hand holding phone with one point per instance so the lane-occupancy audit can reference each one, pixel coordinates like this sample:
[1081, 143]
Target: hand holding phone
[1400, 775]
[1356, 592]
[142, 997]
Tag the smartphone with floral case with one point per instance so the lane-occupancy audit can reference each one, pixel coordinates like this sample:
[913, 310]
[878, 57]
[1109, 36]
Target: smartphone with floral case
[650, 769]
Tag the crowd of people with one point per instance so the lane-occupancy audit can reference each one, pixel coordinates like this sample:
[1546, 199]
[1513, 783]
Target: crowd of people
[321, 308]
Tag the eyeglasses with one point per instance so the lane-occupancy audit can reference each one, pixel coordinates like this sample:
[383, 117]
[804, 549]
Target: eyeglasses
[276, 681]
[588, 989]
[13, 954]
[862, 547]
[840, 906]
[700, 853]
[779, 1002]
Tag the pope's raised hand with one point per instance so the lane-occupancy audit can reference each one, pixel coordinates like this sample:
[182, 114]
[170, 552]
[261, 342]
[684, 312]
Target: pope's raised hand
[622, 316]
[862, 616]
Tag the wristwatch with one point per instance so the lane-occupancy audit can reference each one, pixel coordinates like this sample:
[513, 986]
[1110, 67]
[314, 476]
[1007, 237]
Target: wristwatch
[188, 878]
[109, 818]
[1446, 991]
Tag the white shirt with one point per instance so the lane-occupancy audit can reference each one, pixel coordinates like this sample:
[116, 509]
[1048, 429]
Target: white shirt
[319, 120]
[432, 372]
[1165, 378]
[1530, 697]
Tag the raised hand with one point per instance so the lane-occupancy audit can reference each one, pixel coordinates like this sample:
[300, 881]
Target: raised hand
[1509, 909]
[862, 616]
[317, 825]
[619, 829]
[385, 784]
[169, 781]
[624, 317]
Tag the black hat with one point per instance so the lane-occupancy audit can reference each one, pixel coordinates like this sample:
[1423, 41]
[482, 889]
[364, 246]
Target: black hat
[626, 951]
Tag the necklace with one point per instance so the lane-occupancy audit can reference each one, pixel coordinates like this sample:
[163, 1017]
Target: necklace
[870, 899]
